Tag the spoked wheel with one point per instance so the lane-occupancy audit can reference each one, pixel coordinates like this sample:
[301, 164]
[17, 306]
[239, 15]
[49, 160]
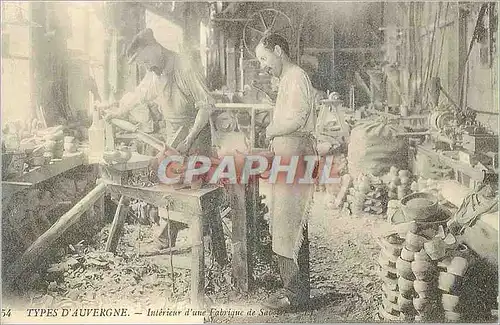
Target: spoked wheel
[265, 22]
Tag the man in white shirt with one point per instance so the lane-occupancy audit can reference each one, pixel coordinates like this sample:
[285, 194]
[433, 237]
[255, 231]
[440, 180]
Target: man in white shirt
[291, 132]
[181, 95]
[175, 86]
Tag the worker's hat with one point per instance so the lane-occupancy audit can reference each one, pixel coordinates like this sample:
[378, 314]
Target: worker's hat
[140, 41]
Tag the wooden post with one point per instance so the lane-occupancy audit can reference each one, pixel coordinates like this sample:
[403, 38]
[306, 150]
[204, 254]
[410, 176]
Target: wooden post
[222, 56]
[463, 48]
[231, 64]
[198, 262]
[217, 237]
[117, 226]
[100, 203]
[252, 195]
[333, 61]
[239, 235]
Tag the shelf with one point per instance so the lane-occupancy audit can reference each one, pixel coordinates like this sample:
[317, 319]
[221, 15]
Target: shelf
[474, 173]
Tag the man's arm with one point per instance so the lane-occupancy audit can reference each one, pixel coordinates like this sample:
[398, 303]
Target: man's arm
[193, 83]
[199, 123]
[144, 92]
[296, 107]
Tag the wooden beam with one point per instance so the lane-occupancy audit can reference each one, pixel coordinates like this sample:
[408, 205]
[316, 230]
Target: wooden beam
[252, 210]
[231, 20]
[197, 261]
[117, 225]
[232, 59]
[217, 237]
[45, 241]
[346, 49]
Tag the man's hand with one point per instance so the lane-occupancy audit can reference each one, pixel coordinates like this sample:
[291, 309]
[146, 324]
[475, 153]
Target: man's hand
[184, 146]
[107, 106]
[108, 110]
[110, 115]
[270, 133]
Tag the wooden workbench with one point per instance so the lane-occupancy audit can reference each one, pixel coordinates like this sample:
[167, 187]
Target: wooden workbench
[200, 205]
[41, 173]
[187, 205]
[473, 173]
[196, 208]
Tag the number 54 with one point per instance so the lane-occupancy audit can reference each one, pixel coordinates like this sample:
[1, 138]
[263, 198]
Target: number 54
[6, 312]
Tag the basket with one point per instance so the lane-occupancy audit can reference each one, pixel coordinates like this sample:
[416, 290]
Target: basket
[423, 212]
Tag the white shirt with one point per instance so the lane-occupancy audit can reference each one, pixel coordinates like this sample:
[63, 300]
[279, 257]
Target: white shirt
[294, 109]
[178, 92]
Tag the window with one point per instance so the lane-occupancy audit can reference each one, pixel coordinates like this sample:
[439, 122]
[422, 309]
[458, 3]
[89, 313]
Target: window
[166, 33]
[86, 49]
[203, 46]
[16, 76]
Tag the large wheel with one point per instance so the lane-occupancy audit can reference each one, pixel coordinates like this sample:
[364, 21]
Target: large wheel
[265, 22]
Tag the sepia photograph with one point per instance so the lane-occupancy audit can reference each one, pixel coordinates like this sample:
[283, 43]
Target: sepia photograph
[249, 162]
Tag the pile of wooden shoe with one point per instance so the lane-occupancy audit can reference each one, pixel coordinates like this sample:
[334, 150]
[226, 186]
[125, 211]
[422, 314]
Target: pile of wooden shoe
[450, 282]
[400, 183]
[428, 250]
[391, 247]
[369, 196]
[414, 278]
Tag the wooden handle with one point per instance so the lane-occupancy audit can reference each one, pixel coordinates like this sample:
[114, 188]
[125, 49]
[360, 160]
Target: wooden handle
[155, 143]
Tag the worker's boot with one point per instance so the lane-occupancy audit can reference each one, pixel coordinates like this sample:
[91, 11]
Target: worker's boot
[295, 276]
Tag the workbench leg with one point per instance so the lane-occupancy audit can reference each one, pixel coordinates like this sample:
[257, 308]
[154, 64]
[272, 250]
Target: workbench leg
[99, 211]
[198, 262]
[117, 226]
[217, 237]
[252, 210]
[239, 235]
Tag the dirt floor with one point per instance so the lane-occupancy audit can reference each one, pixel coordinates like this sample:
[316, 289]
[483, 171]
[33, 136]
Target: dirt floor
[344, 275]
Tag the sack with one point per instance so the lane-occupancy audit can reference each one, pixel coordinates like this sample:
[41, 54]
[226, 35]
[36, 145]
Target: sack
[374, 147]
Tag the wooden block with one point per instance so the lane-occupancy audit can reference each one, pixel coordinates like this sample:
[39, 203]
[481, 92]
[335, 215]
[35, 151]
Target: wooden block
[117, 226]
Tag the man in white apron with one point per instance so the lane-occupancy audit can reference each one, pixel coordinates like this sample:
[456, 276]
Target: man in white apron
[291, 131]
[181, 95]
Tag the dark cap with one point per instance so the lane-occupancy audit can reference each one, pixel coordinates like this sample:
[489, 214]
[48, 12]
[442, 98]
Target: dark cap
[141, 40]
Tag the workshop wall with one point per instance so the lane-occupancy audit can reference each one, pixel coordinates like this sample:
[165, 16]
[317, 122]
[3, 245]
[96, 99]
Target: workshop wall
[350, 29]
[315, 28]
[318, 28]
[50, 62]
[448, 45]
[184, 16]
[482, 67]
[16, 53]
